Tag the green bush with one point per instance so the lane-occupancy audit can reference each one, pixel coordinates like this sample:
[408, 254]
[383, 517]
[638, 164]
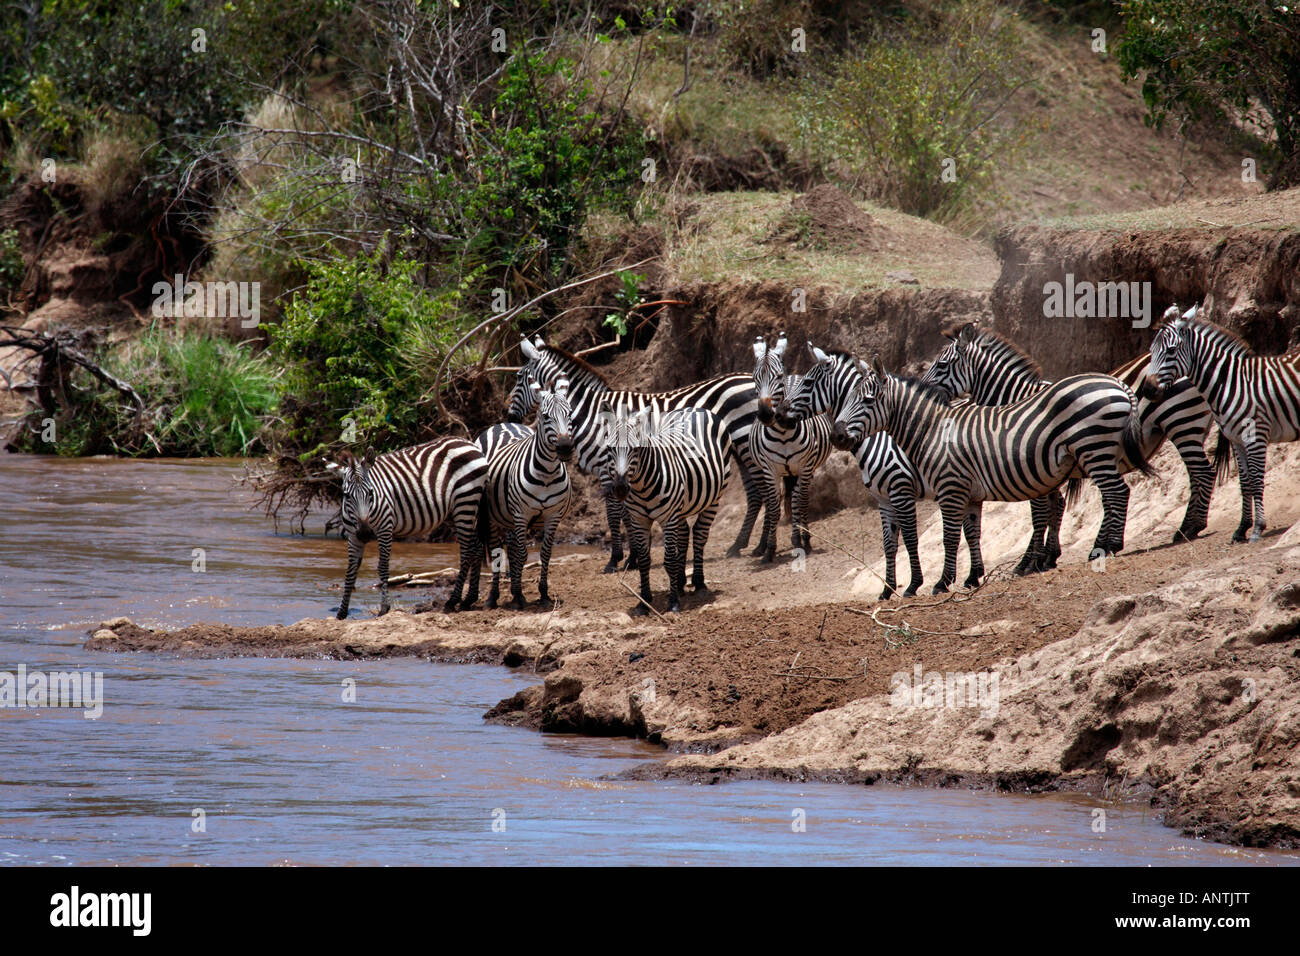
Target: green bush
[919, 95]
[361, 343]
[204, 396]
[12, 266]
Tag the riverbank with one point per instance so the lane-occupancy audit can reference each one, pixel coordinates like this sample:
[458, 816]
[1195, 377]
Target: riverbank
[1172, 675]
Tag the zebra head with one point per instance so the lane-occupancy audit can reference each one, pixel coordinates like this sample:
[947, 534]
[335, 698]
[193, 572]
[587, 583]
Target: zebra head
[1171, 352]
[816, 393]
[359, 492]
[863, 411]
[954, 369]
[769, 377]
[554, 432]
[623, 436]
[522, 398]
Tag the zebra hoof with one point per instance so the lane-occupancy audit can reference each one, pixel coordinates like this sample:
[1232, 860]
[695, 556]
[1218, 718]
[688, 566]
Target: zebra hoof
[451, 607]
[734, 550]
[1256, 536]
[517, 604]
[383, 609]
[1025, 568]
[639, 611]
[612, 567]
[490, 604]
[972, 582]
[342, 615]
[545, 603]
[698, 583]
[939, 588]
[886, 594]
[469, 604]
[911, 591]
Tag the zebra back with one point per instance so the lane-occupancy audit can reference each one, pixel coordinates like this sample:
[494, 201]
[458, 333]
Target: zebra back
[493, 439]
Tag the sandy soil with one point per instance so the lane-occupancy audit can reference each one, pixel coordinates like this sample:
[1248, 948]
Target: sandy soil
[1173, 673]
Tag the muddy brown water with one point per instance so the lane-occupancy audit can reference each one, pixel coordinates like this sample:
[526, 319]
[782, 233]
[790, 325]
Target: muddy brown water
[261, 761]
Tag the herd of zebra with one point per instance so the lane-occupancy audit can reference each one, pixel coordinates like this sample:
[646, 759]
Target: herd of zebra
[980, 425]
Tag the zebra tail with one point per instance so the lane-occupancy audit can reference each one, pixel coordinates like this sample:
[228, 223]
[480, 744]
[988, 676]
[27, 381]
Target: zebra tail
[1222, 457]
[1133, 443]
[1073, 488]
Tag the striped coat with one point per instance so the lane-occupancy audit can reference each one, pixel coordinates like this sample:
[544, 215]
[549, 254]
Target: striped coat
[528, 488]
[667, 468]
[407, 492]
[1255, 399]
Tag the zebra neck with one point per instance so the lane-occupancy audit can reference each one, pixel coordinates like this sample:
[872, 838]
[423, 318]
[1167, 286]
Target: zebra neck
[1004, 392]
[1214, 378]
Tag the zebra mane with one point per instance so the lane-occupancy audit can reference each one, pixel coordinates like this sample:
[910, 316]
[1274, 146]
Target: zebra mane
[1018, 361]
[573, 360]
[1218, 335]
[912, 383]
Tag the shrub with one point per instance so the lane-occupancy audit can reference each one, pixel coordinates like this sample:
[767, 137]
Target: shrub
[918, 100]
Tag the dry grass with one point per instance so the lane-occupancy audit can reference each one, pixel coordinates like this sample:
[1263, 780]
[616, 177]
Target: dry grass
[724, 236]
[1279, 211]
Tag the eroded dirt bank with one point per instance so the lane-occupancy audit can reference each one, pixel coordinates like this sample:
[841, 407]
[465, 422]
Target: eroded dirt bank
[1174, 673]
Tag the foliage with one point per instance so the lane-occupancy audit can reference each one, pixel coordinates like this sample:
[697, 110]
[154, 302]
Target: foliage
[1223, 57]
[206, 396]
[357, 346]
[915, 112]
[11, 259]
[629, 297]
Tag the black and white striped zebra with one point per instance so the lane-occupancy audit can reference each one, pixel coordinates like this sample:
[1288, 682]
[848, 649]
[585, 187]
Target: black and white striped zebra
[790, 451]
[1254, 398]
[667, 467]
[974, 453]
[496, 437]
[731, 397]
[995, 371]
[891, 480]
[412, 491]
[528, 488]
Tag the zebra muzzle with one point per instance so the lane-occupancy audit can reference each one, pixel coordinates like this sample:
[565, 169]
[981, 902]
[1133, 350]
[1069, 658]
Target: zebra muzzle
[840, 437]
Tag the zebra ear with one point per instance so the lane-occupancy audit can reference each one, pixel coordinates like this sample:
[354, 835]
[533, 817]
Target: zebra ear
[760, 349]
[370, 455]
[779, 349]
[876, 366]
[1190, 314]
[966, 333]
[539, 341]
[562, 388]
[526, 347]
[817, 354]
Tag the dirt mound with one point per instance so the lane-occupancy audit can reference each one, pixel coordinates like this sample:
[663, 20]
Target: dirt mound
[825, 217]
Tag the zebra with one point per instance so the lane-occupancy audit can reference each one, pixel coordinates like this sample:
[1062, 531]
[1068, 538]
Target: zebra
[412, 491]
[995, 371]
[790, 451]
[1254, 398]
[973, 453]
[666, 467]
[731, 397]
[497, 437]
[893, 483]
[527, 487]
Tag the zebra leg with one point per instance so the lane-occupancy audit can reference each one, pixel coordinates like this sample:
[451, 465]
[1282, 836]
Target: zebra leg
[889, 541]
[800, 513]
[904, 507]
[771, 515]
[518, 556]
[385, 548]
[638, 528]
[467, 542]
[614, 514]
[954, 516]
[495, 554]
[674, 554]
[1257, 457]
[1032, 559]
[971, 528]
[1247, 492]
[1200, 479]
[548, 542]
[1055, 514]
[1114, 502]
[356, 548]
[699, 538]
[752, 481]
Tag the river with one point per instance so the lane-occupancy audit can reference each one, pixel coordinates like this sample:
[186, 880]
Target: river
[262, 761]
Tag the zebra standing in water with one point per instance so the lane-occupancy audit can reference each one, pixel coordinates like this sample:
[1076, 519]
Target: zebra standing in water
[731, 397]
[972, 453]
[667, 467]
[891, 480]
[790, 451]
[528, 486]
[408, 492]
[1255, 398]
[995, 371]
